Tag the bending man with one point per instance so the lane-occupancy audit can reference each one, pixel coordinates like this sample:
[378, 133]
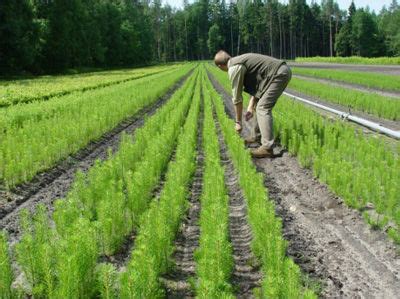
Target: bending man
[264, 78]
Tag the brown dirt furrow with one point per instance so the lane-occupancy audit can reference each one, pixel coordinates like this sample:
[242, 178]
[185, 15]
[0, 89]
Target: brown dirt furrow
[358, 87]
[246, 274]
[328, 240]
[177, 282]
[46, 187]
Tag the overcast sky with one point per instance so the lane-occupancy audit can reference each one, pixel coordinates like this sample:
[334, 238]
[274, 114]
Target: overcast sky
[343, 4]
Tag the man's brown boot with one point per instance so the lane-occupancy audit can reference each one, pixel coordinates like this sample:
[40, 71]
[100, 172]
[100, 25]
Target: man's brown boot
[262, 152]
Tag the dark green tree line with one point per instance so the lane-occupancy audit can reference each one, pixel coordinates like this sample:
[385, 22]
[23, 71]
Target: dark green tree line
[41, 36]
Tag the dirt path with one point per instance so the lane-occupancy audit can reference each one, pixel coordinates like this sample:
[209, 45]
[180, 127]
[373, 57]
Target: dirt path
[48, 186]
[382, 69]
[246, 274]
[329, 241]
[353, 86]
[391, 124]
[176, 282]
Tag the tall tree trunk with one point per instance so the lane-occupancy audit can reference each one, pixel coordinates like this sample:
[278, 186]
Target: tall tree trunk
[280, 34]
[271, 46]
[174, 36]
[238, 44]
[231, 34]
[186, 42]
[330, 37]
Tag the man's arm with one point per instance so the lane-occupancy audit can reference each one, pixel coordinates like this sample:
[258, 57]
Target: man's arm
[236, 75]
[250, 108]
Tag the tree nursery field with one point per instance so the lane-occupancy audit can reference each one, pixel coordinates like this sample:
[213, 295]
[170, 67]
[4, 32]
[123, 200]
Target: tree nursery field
[134, 184]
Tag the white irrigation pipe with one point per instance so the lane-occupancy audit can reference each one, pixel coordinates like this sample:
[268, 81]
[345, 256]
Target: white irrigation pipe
[347, 116]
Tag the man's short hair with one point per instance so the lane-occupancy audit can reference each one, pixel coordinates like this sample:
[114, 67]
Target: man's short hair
[221, 58]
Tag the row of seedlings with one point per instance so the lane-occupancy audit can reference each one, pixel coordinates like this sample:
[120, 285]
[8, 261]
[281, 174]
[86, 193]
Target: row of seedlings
[214, 259]
[36, 136]
[374, 104]
[44, 88]
[363, 170]
[59, 258]
[370, 80]
[160, 223]
[282, 277]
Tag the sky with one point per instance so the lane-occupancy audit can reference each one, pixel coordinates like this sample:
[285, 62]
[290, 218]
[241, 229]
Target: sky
[343, 4]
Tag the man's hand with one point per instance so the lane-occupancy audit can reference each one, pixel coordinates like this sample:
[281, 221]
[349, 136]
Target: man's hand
[238, 127]
[248, 115]
[250, 109]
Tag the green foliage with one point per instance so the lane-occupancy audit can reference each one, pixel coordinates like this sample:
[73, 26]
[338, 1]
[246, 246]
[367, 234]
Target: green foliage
[365, 36]
[47, 87]
[99, 211]
[372, 80]
[363, 101]
[35, 252]
[18, 35]
[36, 136]
[351, 60]
[215, 39]
[6, 274]
[160, 223]
[214, 261]
[389, 24]
[107, 281]
[281, 275]
[57, 35]
[358, 168]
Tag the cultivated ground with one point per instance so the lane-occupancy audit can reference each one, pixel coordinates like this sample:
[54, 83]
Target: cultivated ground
[330, 241]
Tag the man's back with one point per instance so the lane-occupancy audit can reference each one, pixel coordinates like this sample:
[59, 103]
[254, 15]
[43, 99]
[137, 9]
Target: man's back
[260, 69]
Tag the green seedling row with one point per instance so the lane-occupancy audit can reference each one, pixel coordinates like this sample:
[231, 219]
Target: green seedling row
[282, 277]
[371, 80]
[6, 274]
[36, 136]
[214, 259]
[359, 168]
[160, 223]
[352, 60]
[374, 104]
[46, 87]
[60, 260]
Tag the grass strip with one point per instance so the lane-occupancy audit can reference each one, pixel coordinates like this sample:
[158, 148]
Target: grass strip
[282, 277]
[214, 259]
[60, 261]
[160, 223]
[370, 80]
[36, 136]
[352, 60]
[6, 274]
[374, 104]
[44, 88]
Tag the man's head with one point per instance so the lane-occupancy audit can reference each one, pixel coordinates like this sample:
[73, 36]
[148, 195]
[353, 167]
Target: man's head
[221, 60]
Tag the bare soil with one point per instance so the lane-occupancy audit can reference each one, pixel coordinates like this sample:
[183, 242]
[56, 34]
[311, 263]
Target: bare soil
[382, 69]
[328, 240]
[246, 275]
[50, 185]
[353, 86]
